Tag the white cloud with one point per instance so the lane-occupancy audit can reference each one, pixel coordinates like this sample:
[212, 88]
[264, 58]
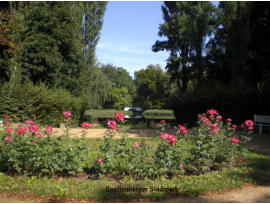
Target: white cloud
[124, 48]
[131, 56]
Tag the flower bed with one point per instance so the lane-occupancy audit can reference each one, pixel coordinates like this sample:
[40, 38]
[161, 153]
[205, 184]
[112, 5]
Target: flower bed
[213, 145]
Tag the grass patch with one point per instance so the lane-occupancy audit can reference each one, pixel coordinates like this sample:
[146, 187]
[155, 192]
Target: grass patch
[256, 169]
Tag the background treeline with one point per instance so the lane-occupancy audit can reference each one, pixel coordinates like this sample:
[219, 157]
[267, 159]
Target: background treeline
[218, 58]
[50, 46]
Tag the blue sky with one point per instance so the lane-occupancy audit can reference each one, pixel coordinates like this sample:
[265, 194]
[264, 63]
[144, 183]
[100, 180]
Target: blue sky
[129, 31]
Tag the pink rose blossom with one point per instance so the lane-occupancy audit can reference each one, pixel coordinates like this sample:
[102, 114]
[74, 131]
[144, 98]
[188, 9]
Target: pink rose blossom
[162, 121]
[29, 122]
[171, 139]
[229, 120]
[112, 124]
[7, 138]
[35, 141]
[69, 118]
[234, 127]
[212, 112]
[136, 144]
[100, 160]
[219, 117]
[49, 129]
[182, 129]
[149, 159]
[85, 125]
[33, 128]
[214, 128]
[84, 131]
[234, 140]
[66, 114]
[249, 124]
[20, 131]
[9, 130]
[39, 134]
[181, 166]
[119, 116]
[163, 135]
[205, 120]
[6, 117]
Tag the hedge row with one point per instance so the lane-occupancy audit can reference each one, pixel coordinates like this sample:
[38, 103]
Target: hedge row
[148, 114]
[104, 114]
[159, 114]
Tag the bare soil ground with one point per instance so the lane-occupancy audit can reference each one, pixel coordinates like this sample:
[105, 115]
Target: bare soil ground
[98, 133]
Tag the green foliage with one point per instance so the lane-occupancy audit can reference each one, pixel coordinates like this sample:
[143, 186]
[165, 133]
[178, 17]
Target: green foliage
[93, 114]
[46, 155]
[10, 28]
[256, 169]
[119, 77]
[93, 12]
[37, 102]
[120, 95]
[186, 26]
[212, 146]
[94, 86]
[118, 98]
[122, 158]
[152, 87]
[50, 47]
[158, 114]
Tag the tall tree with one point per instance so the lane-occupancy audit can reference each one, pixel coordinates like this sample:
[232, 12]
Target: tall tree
[94, 85]
[186, 26]
[9, 39]
[50, 44]
[93, 12]
[152, 87]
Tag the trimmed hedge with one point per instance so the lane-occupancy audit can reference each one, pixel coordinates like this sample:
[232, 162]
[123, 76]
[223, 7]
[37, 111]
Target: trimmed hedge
[148, 114]
[158, 114]
[103, 114]
[37, 102]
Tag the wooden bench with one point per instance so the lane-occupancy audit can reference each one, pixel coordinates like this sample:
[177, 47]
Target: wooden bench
[261, 121]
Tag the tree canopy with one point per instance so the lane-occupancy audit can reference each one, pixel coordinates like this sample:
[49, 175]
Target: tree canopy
[152, 87]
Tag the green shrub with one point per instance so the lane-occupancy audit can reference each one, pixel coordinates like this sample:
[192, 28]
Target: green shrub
[94, 114]
[37, 102]
[30, 154]
[215, 144]
[158, 114]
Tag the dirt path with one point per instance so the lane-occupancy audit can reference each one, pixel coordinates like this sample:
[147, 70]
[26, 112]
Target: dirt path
[246, 194]
[98, 133]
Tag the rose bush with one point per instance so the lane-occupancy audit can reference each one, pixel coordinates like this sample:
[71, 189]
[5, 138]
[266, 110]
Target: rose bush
[29, 150]
[214, 144]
